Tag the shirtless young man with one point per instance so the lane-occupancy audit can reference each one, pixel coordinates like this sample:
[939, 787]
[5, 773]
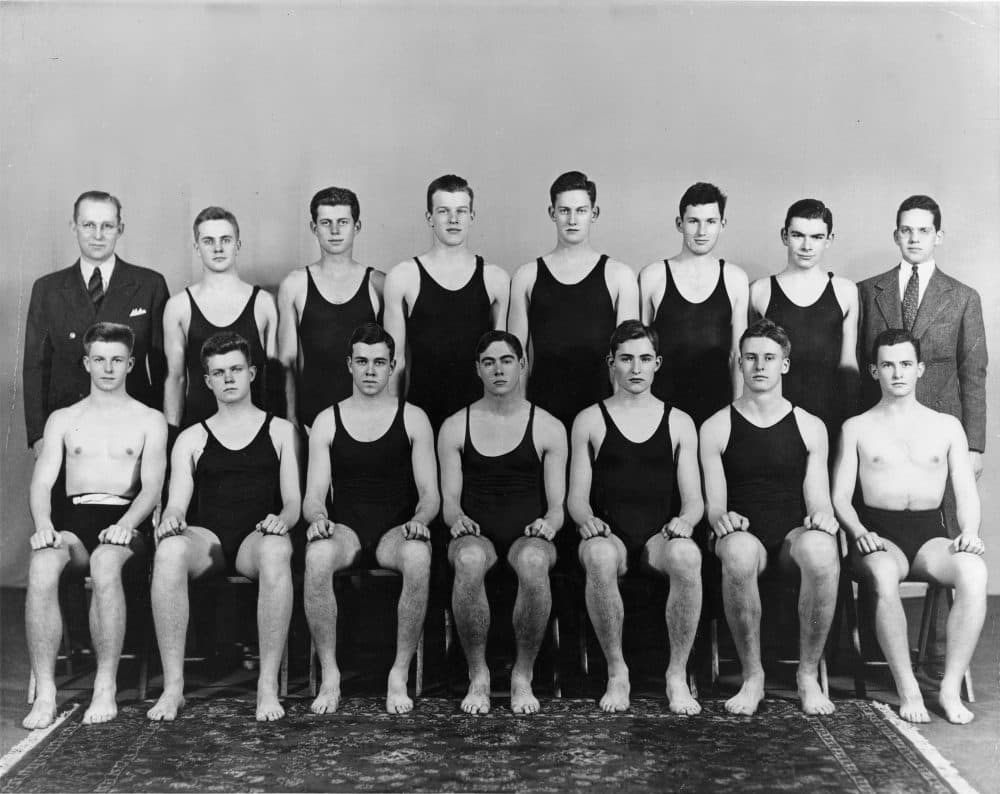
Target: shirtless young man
[819, 312]
[768, 495]
[438, 303]
[377, 453]
[239, 467]
[628, 453]
[320, 305]
[697, 304]
[565, 305]
[114, 450]
[220, 302]
[903, 453]
[503, 483]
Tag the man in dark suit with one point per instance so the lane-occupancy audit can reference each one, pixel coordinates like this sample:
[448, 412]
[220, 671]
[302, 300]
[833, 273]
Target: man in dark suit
[946, 317]
[98, 287]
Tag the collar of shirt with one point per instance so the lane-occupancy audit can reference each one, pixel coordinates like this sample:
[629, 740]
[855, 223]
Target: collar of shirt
[924, 271]
[107, 268]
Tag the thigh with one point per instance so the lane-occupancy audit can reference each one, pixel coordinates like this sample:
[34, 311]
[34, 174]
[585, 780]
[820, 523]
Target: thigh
[939, 563]
[203, 552]
[256, 547]
[77, 557]
[877, 564]
[531, 545]
[393, 546]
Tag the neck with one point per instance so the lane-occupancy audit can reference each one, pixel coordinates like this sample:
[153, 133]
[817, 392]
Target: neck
[449, 253]
[342, 261]
[506, 404]
[238, 410]
[687, 256]
[899, 405]
[574, 251]
[763, 401]
[108, 399]
[372, 402]
[97, 262]
[627, 399]
[816, 273]
[219, 280]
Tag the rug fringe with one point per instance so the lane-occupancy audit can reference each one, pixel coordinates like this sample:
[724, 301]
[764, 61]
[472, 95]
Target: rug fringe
[942, 765]
[32, 740]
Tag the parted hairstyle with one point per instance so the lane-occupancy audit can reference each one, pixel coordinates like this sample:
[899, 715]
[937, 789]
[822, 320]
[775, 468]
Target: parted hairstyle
[573, 180]
[215, 214]
[221, 343]
[768, 329]
[633, 329]
[490, 337]
[109, 332]
[335, 197]
[702, 193]
[96, 195]
[920, 202]
[810, 209]
[371, 334]
[894, 336]
[449, 183]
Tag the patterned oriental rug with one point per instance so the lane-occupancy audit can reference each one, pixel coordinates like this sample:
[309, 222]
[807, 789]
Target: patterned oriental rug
[216, 745]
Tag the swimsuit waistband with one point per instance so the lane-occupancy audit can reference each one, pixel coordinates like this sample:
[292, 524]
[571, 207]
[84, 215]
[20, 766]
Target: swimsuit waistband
[881, 511]
[107, 499]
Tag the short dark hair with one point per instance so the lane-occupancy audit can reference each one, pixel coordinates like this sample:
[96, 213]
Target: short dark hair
[109, 332]
[371, 334]
[572, 180]
[810, 209]
[768, 329]
[335, 197]
[702, 193]
[894, 336]
[221, 343]
[96, 195]
[920, 203]
[633, 329]
[490, 337]
[449, 183]
[215, 214]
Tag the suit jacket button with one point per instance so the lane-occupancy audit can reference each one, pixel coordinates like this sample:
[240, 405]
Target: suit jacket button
[72, 334]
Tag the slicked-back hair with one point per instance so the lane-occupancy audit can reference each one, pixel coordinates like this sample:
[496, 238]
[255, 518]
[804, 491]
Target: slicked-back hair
[702, 193]
[894, 336]
[768, 329]
[449, 183]
[810, 209]
[215, 214]
[96, 195]
[508, 338]
[371, 334]
[109, 332]
[920, 202]
[633, 329]
[572, 180]
[335, 197]
[221, 343]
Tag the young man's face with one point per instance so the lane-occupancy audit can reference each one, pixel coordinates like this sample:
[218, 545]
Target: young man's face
[806, 240]
[217, 245]
[370, 367]
[700, 227]
[335, 229]
[97, 228]
[451, 217]
[634, 364]
[762, 363]
[108, 363]
[499, 369]
[573, 214]
[229, 376]
[897, 369]
[916, 236]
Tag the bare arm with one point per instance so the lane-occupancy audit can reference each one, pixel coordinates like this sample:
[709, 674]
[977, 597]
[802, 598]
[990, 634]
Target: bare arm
[649, 284]
[739, 289]
[318, 473]
[450, 459]
[424, 465]
[845, 477]
[498, 287]
[581, 477]
[176, 317]
[283, 438]
[181, 489]
[848, 368]
[520, 298]
[688, 477]
[712, 441]
[554, 453]
[394, 321]
[816, 486]
[152, 470]
[43, 478]
[288, 340]
[963, 482]
[626, 293]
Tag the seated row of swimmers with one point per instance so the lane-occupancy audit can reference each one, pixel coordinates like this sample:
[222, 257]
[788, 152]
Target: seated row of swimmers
[758, 477]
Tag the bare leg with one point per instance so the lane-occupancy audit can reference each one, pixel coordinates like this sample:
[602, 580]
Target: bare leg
[604, 560]
[531, 558]
[815, 554]
[680, 560]
[412, 558]
[472, 556]
[324, 557]
[267, 558]
[743, 560]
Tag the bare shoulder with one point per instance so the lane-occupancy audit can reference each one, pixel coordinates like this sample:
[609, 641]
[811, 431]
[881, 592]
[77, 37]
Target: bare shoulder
[377, 278]
[810, 425]
[282, 429]
[619, 270]
[496, 277]
[402, 271]
[845, 290]
[192, 438]
[265, 300]
[550, 427]
[150, 417]
[735, 275]
[681, 423]
[856, 425]
[177, 306]
[587, 419]
[653, 274]
[452, 427]
[715, 428]
[294, 281]
[525, 275]
[415, 419]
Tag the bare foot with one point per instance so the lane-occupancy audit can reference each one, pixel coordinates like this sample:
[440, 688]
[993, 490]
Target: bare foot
[746, 701]
[477, 699]
[911, 706]
[327, 700]
[811, 695]
[679, 696]
[954, 710]
[616, 696]
[269, 708]
[522, 698]
[102, 708]
[42, 714]
[165, 709]
[396, 699]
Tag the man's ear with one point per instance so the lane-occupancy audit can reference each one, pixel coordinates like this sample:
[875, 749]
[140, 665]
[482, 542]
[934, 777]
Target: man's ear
[595, 213]
[679, 223]
[552, 213]
[873, 369]
[784, 236]
[786, 364]
[920, 369]
[130, 365]
[253, 372]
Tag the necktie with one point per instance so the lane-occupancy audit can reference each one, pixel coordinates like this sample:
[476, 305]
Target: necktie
[911, 300]
[96, 287]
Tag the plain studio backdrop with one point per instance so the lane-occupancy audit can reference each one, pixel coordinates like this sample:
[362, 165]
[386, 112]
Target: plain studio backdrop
[255, 106]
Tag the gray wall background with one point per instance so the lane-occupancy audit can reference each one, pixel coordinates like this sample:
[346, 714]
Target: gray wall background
[256, 106]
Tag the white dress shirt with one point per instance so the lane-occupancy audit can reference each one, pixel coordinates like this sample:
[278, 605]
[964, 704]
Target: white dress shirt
[107, 268]
[924, 271]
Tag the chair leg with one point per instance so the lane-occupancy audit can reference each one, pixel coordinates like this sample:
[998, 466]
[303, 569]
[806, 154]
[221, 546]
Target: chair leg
[584, 656]
[824, 677]
[312, 668]
[714, 634]
[144, 654]
[283, 672]
[967, 677]
[556, 647]
[851, 614]
[448, 641]
[926, 619]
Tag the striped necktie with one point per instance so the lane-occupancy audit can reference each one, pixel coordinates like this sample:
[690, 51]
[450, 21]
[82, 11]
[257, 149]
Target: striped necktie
[911, 300]
[96, 287]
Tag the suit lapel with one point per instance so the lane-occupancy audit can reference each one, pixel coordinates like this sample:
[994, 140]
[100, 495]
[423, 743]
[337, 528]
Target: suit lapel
[887, 299]
[121, 288]
[76, 295]
[937, 298]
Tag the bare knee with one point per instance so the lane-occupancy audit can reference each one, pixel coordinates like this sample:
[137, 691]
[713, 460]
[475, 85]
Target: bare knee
[415, 559]
[816, 555]
[531, 564]
[470, 561]
[879, 573]
[683, 560]
[274, 554]
[171, 557]
[46, 568]
[600, 558]
[739, 554]
[970, 574]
